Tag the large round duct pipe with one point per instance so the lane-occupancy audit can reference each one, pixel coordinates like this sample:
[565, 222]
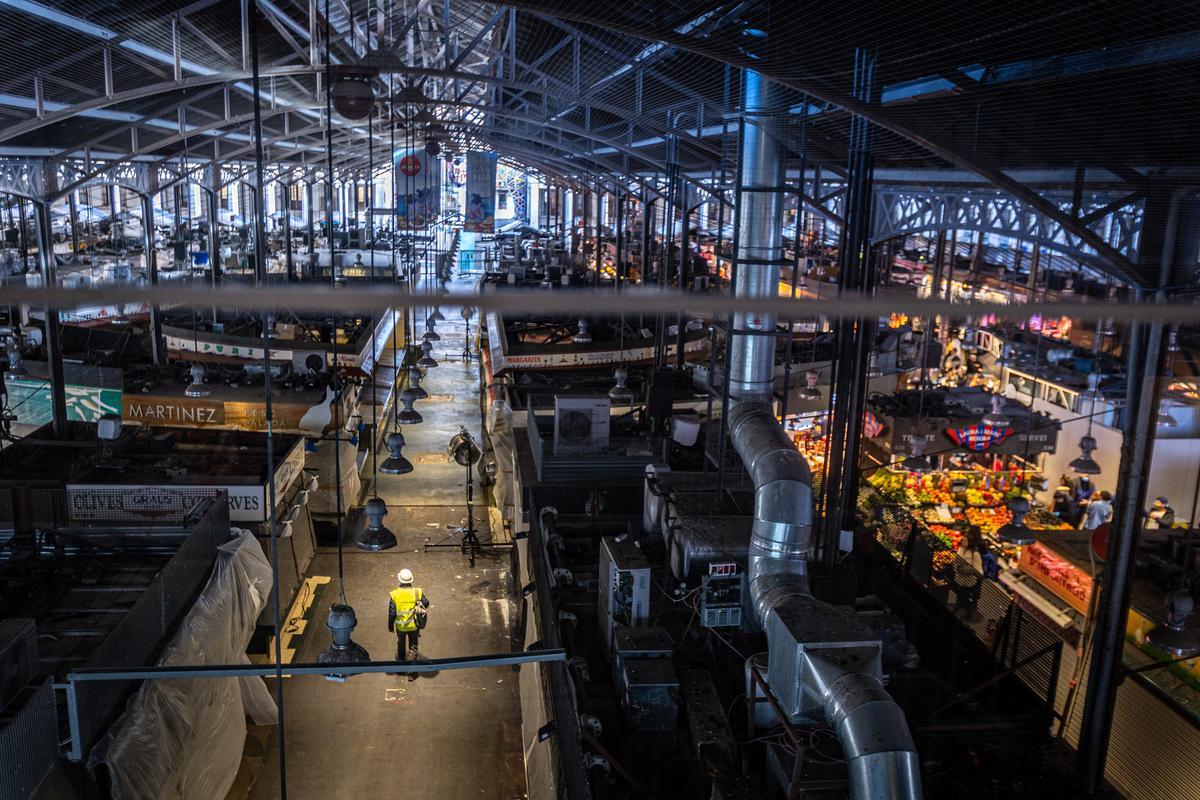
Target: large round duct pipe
[809, 657]
[760, 240]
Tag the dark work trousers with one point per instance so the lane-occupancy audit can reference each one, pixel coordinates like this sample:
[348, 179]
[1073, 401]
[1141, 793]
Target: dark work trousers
[405, 641]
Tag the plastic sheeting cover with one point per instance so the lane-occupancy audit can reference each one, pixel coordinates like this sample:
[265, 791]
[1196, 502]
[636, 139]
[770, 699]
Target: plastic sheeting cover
[183, 738]
[500, 430]
[324, 499]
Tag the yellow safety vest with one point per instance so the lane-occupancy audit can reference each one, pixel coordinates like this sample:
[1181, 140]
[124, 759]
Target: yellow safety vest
[405, 599]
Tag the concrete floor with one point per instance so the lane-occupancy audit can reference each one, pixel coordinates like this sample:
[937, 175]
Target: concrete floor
[450, 735]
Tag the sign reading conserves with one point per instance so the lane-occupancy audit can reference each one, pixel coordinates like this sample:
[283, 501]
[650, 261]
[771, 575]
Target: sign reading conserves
[247, 503]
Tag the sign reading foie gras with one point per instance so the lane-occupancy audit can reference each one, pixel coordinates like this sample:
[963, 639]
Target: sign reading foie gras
[419, 192]
[247, 502]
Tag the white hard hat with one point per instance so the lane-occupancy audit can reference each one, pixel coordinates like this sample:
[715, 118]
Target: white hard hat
[404, 576]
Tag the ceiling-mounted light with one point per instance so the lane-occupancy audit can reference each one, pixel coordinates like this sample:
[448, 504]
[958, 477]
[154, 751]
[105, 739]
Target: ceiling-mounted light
[375, 536]
[437, 315]
[1085, 464]
[414, 383]
[430, 334]
[1175, 637]
[351, 91]
[395, 463]
[409, 416]
[1165, 420]
[620, 393]
[343, 649]
[1015, 532]
[427, 360]
[197, 388]
[411, 94]
[583, 335]
[810, 390]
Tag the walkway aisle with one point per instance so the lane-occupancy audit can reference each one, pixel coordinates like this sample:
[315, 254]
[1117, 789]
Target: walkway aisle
[450, 736]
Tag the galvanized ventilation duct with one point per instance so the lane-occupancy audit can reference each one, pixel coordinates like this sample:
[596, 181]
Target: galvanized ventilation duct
[821, 657]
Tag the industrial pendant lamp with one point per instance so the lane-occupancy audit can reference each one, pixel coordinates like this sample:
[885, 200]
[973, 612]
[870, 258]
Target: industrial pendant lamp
[437, 315]
[15, 368]
[996, 418]
[197, 388]
[1165, 420]
[427, 360]
[1015, 532]
[620, 393]
[409, 416]
[395, 463]
[343, 649]
[1085, 464]
[810, 391]
[430, 334]
[414, 383]
[375, 536]
[1175, 637]
[873, 370]
[583, 335]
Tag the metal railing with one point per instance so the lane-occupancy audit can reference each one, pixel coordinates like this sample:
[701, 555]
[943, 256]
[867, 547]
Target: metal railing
[29, 744]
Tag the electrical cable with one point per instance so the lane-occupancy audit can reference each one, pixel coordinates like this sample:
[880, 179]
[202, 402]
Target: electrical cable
[272, 521]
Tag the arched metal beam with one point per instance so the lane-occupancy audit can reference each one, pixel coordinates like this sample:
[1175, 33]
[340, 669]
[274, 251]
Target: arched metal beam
[141, 93]
[711, 47]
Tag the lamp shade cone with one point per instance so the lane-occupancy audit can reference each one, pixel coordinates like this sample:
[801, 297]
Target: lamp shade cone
[375, 536]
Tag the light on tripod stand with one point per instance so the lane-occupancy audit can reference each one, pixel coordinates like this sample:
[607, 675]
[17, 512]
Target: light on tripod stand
[462, 449]
[375, 536]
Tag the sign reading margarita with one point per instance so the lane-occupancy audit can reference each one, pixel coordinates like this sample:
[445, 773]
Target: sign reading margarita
[480, 214]
[419, 191]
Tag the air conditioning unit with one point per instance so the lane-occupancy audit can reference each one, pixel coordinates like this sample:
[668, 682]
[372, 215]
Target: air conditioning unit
[18, 657]
[581, 424]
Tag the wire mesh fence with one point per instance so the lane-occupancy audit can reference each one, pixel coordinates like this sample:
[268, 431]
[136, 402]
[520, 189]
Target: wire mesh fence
[29, 744]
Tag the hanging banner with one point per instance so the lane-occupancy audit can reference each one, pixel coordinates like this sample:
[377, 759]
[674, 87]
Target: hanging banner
[480, 214]
[419, 190]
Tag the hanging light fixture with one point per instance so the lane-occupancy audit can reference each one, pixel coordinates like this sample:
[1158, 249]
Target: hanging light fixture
[996, 418]
[395, 463]
[917, 460]
[414, 383]
[873, 370]
[375, 536]
[15, 368]
[197, 388]
[620, 393]
[437, 315]
[427, 360]
[1085, 464]
[343, 649]
[1106, 327]
[809, 390]
[1165, 420]
[1015, 532]
[409, 416]
[1173, 339]
[430, 334]
[583, 335]
[1174, 636]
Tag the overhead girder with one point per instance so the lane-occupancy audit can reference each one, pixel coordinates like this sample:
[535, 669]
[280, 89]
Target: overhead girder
[1115, 262]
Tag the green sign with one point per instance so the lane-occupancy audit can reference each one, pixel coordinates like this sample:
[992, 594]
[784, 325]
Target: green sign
[91, 392]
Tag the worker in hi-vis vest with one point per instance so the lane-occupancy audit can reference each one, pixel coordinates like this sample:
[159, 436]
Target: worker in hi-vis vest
[406, 614]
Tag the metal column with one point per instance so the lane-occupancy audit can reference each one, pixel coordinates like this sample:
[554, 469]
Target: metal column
[855, 336]
[1144, 363]
[286, 208]
[156, 339]
[54, 356]
[214, 232]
